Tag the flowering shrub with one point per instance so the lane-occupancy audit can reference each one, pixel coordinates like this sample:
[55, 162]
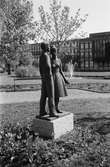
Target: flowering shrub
[21, 147]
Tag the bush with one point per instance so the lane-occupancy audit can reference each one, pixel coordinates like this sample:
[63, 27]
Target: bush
[32, 71]
[26, 71]
[1, 70]
[66, 67]
[26, 59]
[21, 71]
[35, 63]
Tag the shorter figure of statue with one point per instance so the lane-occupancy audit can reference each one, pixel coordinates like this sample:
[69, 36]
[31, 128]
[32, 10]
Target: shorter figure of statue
[58, 77]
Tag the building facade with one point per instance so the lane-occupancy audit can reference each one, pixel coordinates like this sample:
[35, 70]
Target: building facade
[90, 54]
[95, 52]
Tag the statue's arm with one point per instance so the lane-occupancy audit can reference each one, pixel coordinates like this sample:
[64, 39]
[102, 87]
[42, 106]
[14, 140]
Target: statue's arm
[40, 69]
[48, 65]
[61, 71]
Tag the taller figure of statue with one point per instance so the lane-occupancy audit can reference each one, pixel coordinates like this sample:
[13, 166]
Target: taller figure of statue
[47, 89]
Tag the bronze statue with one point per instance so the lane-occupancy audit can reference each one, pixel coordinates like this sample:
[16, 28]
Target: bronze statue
[58, 77]
[47, 89]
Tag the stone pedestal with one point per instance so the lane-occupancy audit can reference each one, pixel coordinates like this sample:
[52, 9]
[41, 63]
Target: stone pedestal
[51, 127]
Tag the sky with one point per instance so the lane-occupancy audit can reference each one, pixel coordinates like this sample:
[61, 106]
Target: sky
[98, 13]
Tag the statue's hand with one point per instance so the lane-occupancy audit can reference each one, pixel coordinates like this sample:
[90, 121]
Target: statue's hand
[67, 82]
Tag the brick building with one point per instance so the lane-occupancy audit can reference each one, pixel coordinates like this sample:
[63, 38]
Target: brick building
[91, 54]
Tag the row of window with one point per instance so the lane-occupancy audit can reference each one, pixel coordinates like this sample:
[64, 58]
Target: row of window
[86, 50]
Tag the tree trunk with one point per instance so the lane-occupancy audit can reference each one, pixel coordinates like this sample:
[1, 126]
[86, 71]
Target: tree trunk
[8, 69]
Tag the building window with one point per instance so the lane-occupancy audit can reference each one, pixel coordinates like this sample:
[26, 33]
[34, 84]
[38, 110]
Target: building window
[86, 64]
[86, 45]
[90, 45]
[91, 63]
[82, 46]
[82, 54]
[107, 50]
[86, 54]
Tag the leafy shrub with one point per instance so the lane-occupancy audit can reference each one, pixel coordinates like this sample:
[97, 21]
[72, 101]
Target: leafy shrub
[35, 63]
[21, 71]
[65, 67]
[26, 71]
[32, 71]
[26, 59]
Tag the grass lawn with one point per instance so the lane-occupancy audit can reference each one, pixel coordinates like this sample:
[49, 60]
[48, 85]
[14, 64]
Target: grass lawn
[84, 147]
[85, 111]
[93, 86]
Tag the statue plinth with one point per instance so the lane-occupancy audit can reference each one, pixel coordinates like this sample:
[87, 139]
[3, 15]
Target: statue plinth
[51, 127]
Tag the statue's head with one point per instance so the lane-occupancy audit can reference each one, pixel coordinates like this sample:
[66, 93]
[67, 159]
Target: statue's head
[45, 47]
[53, 49]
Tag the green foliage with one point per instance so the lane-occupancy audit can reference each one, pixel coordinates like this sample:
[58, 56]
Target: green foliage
[65, 67]
[65, 61]
[17, 18]
[18, 27]
[66, 58]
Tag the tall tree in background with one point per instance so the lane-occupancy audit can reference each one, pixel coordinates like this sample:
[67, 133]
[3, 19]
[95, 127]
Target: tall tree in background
[57, 25]
[17, 27]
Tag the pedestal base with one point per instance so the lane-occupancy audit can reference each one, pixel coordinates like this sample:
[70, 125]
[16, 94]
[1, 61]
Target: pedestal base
[51, 127]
